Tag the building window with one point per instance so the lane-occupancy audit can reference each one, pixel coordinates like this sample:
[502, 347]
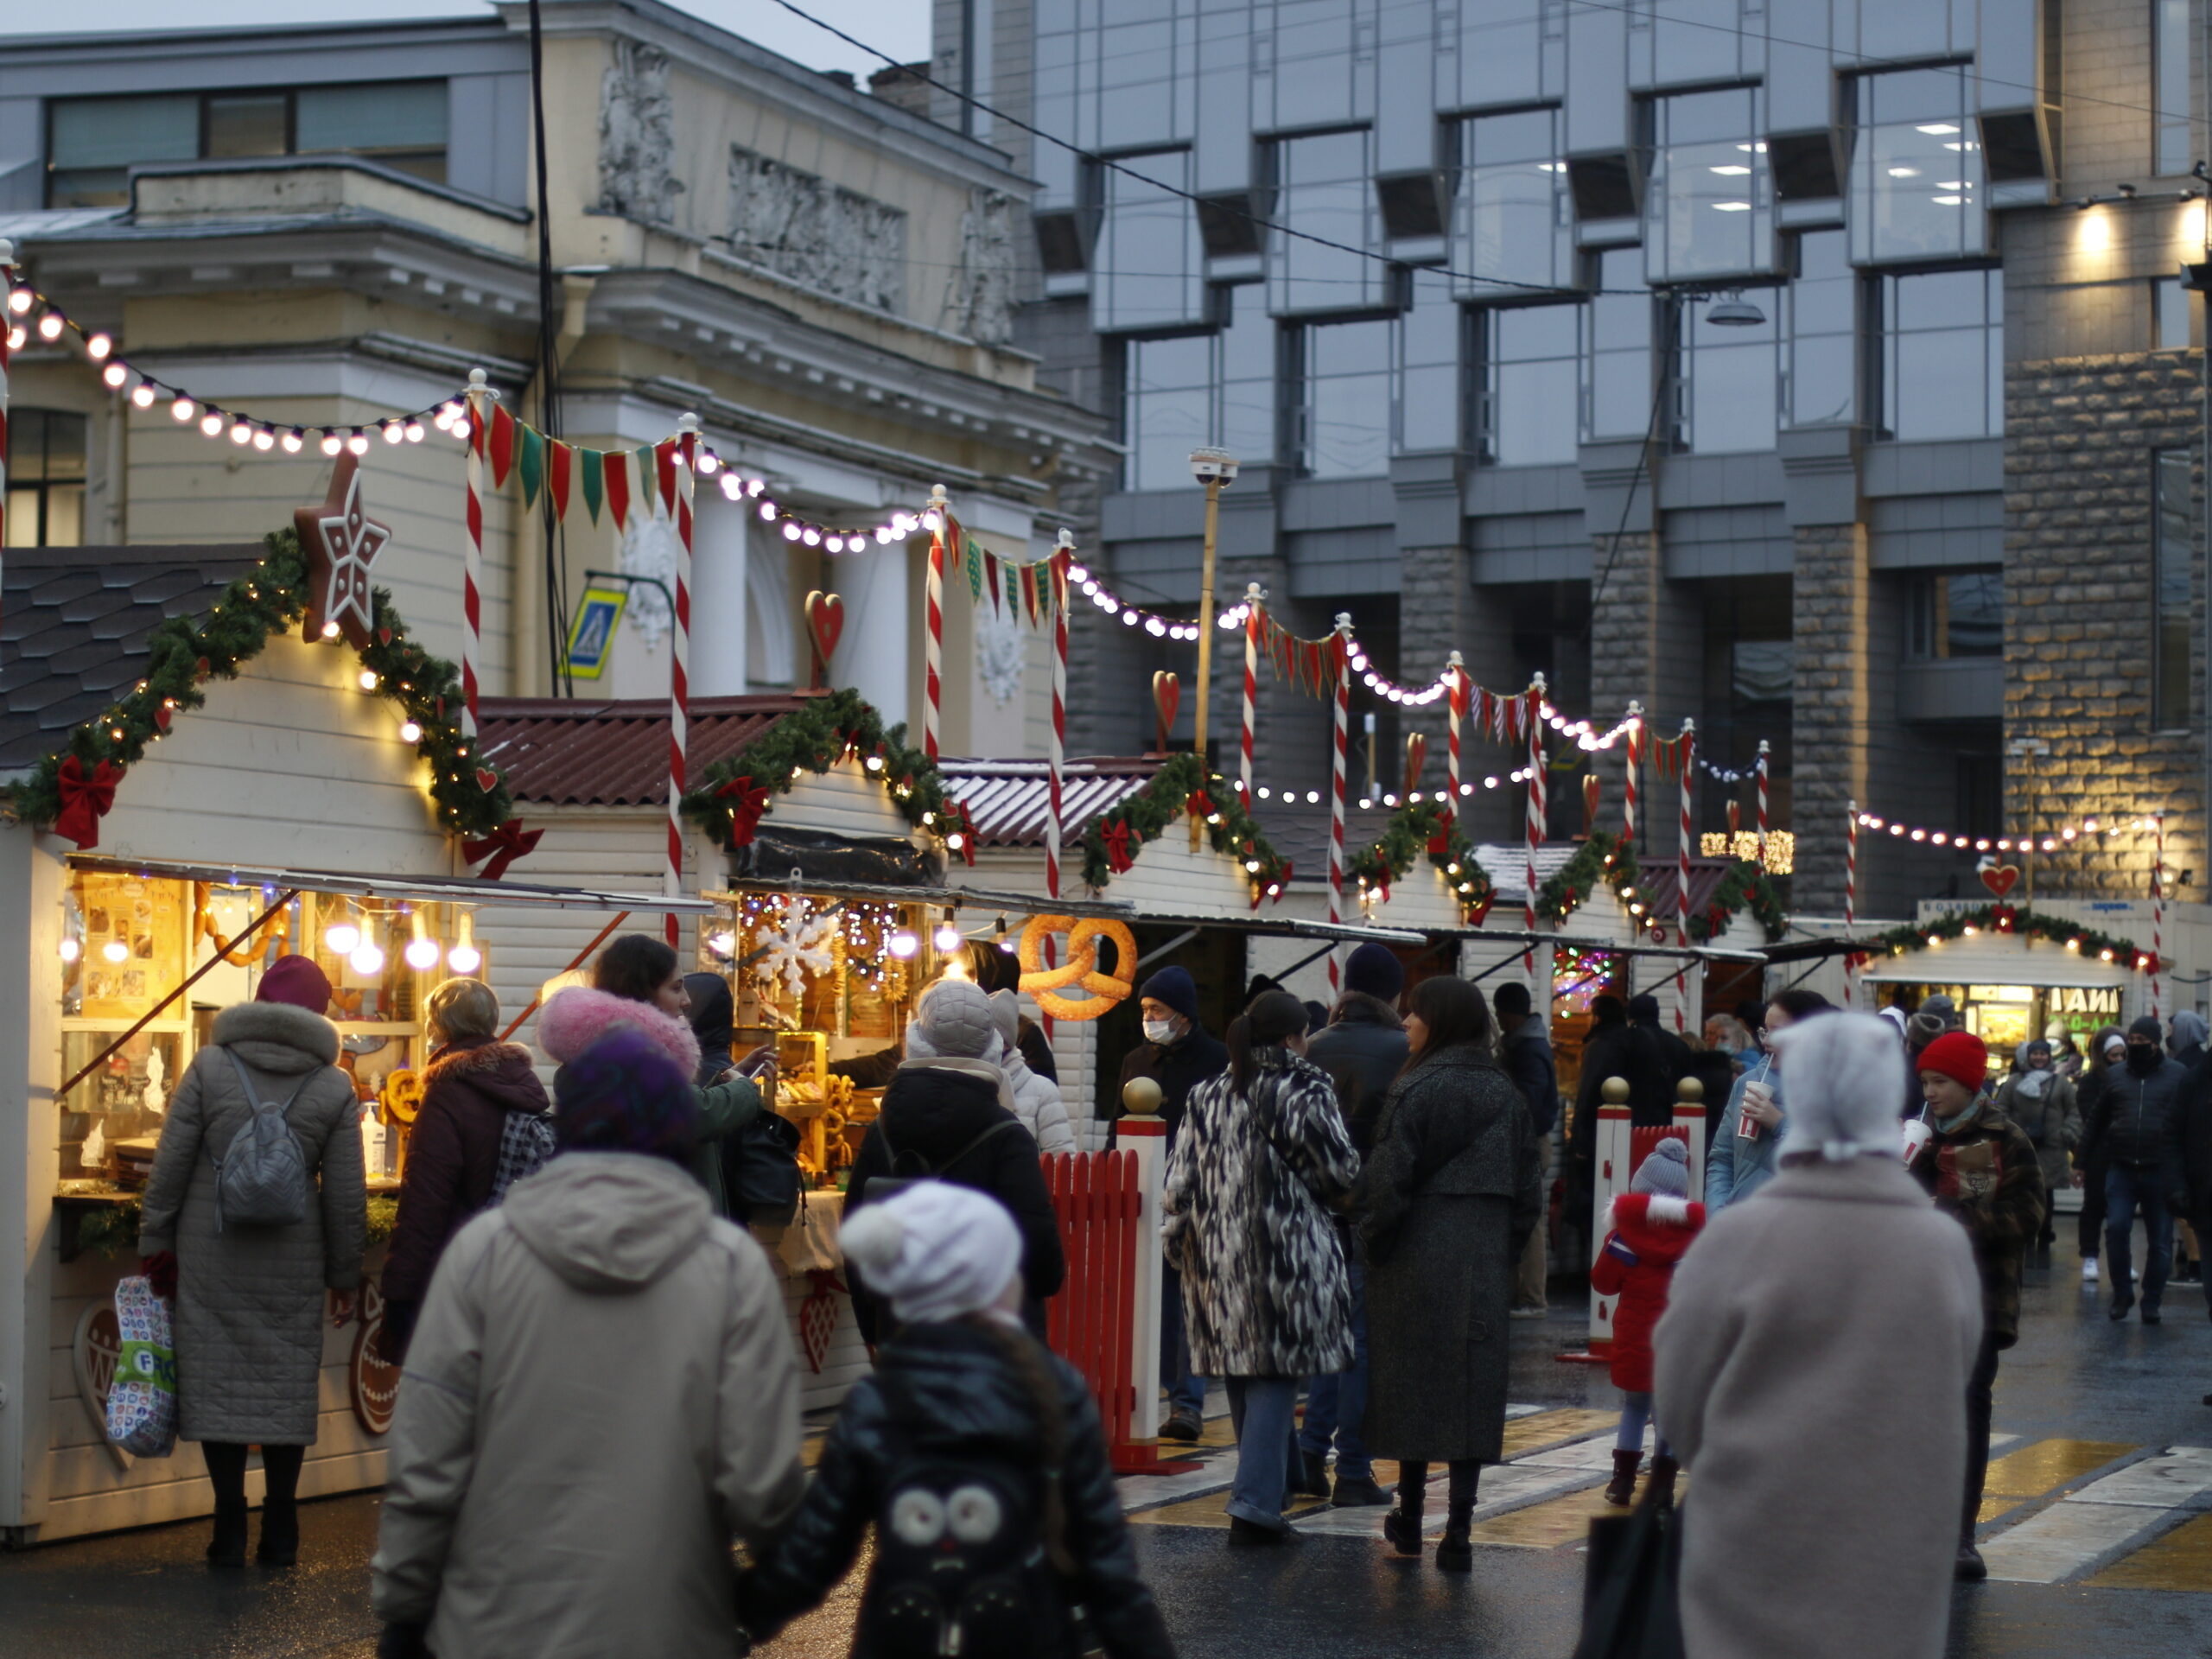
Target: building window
[1149, 270]
[1731, 379]
[1200, 390]
[2173, 315]
[45, 479]
[1426, 406]
[1822, 302]
[1616, 391]
[1955, 613]
[1943, 354]
[1324, 188]
[1345, 425]
[2173, 148]
[92, 142]
[1516, 218]
[1710, 201]
[1916, 168]
[1531, 384]
[2171, 562]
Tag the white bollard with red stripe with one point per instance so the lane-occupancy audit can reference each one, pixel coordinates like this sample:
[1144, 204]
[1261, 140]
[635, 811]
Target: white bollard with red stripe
[1063, 552]
[1688, 762]
[679, 662]
[1635, 765]
[472, 559]
[1455, 706]
[1850, 899]
[1762, 771]
[1340, 660]
[1254, 599]
[939, 520]
[1533, 705]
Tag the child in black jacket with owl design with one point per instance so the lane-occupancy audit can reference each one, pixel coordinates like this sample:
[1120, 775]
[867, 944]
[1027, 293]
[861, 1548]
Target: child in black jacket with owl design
[978, 1455]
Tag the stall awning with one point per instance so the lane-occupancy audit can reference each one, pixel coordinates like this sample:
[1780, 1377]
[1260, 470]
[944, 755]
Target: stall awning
[1517, 936]
[866, 891]
[441, 890]
[1293, 928]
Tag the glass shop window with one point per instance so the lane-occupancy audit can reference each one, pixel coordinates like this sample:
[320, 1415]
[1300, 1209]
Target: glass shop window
[1616, 367]
[1325, 188]
[1149, 270]
[1955, 613]
[1943, 354]
[46, 478]
[1821, 303]
[1532, 385]
[1516, 218]
[1916, 168]
[1710, 201]
[1345, 421]
[2174, 148]
[1732, 377]
[1168, 409]
[1429, 384]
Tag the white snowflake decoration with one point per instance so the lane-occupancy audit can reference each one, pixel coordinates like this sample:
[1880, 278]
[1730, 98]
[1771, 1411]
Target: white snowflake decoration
[800, 945]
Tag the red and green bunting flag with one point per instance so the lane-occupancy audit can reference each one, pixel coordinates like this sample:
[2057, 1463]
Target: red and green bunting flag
[616, 480]
[1025, 589]
[1666, 756]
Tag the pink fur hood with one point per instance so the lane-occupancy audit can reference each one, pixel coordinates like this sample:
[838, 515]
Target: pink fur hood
[572, 1020]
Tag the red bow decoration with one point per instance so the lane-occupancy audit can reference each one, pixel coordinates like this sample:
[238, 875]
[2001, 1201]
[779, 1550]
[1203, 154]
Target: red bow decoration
[2003, 917]
[1282, 880]
[1440, 845]
[503, 846]
[1478, 913]
[1200, 804]
[85, 799]
[966, 833]
[1117, 837]
[752, 800]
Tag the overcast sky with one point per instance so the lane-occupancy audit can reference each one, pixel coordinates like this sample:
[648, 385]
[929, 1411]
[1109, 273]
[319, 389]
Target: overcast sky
[900, 27]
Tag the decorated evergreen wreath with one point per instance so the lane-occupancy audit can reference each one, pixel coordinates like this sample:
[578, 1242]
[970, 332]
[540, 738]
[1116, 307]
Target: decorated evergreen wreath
[1607, 858]
[183, 655]
[2024, 923]
[1421, 827]
[1110, 841]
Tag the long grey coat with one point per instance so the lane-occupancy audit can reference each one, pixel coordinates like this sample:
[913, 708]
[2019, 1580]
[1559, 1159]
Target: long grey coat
[1811, 1371]
[249, 1301]
[1447, 1199]
[1265, 1290]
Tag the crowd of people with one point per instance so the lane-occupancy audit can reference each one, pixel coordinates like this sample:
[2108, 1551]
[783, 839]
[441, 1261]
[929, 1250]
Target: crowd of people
[598, 1372]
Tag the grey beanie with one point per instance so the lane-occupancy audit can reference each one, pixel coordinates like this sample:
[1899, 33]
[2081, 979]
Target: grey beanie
[1665, 1170]
[1923, 1028]
[954, 1018]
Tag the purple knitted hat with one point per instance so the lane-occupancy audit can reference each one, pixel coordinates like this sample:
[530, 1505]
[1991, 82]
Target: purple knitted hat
[623, 1094]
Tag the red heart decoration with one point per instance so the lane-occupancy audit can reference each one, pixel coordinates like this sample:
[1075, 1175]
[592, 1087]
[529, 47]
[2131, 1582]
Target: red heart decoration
[162, 714]
[825, 616]
[1167, 696]
[486, 779]
[2000, 879]
[202, 668]
[384, 636]
[1416, 758]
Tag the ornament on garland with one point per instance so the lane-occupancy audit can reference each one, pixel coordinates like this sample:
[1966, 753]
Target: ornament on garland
[800, 945]
[1046, 984]
[503, 846]
[825, 621]
[86, 795]
[2086, 942]
[1999, 879]
[1167, 698]
[341, 542]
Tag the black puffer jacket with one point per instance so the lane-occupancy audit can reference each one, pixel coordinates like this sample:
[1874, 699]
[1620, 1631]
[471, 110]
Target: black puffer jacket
[1362, 1048]
[950, 1393]
[935, 1111]
[1178, 1067]
[2136, 1119]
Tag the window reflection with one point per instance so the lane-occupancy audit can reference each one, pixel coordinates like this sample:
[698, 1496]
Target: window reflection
[1324, 189]
[1916, 168]
[2173, 148]
[1199, 390]
[1822, 305]
[1732, 380]
[1943, 354]
[1710, 200]
[1515, 219]
[1532, 384]
[1150, 271]
[1247, 379]
[1429, 366]
[1958, 614]
[1347, 412]
[1617, 385]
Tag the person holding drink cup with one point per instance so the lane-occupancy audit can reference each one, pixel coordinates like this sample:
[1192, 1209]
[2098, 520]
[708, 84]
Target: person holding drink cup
[1744, 1153]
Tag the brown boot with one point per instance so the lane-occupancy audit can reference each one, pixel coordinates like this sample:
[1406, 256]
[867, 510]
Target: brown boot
[1621, 1489]
[1660, 1488]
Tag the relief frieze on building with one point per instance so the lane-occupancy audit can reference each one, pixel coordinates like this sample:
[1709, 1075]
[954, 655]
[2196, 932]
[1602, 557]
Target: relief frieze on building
[636, 134]
[981, 302]
[833, 240]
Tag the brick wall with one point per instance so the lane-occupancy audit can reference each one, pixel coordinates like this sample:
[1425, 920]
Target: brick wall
[1646, 645]
[1830, 592]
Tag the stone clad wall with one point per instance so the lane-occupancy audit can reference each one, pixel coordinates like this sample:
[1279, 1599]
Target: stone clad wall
[1830, 717]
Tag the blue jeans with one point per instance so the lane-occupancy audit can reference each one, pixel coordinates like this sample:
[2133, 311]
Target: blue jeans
[1335, 1402]
[2126, 1187]
[1635, 1414]
[1261, 1407]
[1184, 1391]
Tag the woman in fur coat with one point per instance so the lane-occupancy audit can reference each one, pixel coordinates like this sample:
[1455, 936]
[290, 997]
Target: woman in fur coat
[635, 982]
[1261, 1152]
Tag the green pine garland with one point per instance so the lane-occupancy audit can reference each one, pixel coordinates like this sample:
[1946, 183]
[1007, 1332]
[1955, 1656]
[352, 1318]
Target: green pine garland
[254, 608]
[1607, 858]
[2003, 919]
[1230, 828]
[1745, 884]
[113, 1229]
[1414, 829]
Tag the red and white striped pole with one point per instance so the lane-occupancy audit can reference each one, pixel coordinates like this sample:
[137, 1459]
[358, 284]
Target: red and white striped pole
[1688, 760]
[1532, 702]
[2157, 915]
[1063, 552]
[1762, 770]
[1635, 764]
[1455, 705]
[6, 328]
[679, 661]
[471, 554]
[1850, 898]
[939, 520]
[1340, 661]
[1254, 599]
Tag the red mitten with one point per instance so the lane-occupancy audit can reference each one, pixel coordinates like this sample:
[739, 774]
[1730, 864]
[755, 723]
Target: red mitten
[160, 1269]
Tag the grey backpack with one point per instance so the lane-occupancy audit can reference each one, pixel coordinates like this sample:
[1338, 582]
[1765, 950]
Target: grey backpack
[261, 1179]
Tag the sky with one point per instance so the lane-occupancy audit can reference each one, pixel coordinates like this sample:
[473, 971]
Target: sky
[900, 27]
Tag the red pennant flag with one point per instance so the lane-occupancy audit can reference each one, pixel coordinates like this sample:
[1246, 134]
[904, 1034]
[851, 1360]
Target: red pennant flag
[502, 445]
[665, 467]
[618, 485]
[991, 584]
[557, 475]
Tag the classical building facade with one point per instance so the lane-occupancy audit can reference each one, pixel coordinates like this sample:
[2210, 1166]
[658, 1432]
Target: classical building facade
[1449, 279]
[333, 224]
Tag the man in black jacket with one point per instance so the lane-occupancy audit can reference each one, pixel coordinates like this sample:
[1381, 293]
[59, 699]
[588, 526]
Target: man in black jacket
[2135, 1125]
[1526, 1053]
[1673, 1051]
[1179, 1054]
[1613, 1048]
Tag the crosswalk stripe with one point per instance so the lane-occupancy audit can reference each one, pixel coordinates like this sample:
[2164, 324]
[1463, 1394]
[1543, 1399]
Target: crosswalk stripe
[2065, 1539]
[2035, 1469]
[1544, 1428]
[2182, 1560]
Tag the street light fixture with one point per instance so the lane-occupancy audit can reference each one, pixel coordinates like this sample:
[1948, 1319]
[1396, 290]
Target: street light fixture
[1735, 312]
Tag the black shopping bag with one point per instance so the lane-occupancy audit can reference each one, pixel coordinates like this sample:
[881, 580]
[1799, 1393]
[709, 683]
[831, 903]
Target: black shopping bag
[1631, 1605]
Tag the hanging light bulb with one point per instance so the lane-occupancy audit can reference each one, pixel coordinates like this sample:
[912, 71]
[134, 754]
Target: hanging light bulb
[903, 944]
[393, 431]
[368, 679]
[1006, 941]
[183, 408]
[241, 430]
[343, 936]
[113, 376]
[948, 935]
[359, 443]
[142, 394]
[117, 950]
[368, 959]
[71, 949]
[49, 325]
[264, 439]
[96, 346]
[409, 732]
[331, 443]
[15, 339]
[293, 440]
[414, 431]
[465, 957]
[768, 512]
[423, 952]
[20, 300]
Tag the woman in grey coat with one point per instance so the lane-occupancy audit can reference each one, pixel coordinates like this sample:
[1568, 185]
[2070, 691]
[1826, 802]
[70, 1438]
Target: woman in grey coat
[249, 1299]
[1447, 1199]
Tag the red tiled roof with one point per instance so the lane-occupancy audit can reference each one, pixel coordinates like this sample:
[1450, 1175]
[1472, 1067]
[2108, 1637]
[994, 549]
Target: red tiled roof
[1006, 799]
[584, 752]
[1659, 882]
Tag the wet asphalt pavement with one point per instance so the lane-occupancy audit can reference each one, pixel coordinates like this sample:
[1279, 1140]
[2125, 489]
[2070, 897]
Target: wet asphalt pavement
[2078, 1386]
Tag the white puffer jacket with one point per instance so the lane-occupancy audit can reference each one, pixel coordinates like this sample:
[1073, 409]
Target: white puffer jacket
[1036, 1100]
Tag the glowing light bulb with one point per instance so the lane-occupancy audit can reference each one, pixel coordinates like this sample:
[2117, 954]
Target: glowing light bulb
[948, 938]
[183, 409]
[49, 325]
[368, 959]
[768, 512]
[113, 376]
[359, 443]
[15, 339]
[117, 950]
[292, 442]
[71, 949]
[903, 944]
[331, 443]
[708, 462]
[423, 955]
[142, 394]
[19, 300]
[409, 732]
[96, 346]
[811, 536]
[212, 424]
[368, 679]
[241, 432]
[464, 958]
[341, 937]
[414, 431]
[791, 531]
[393, 432]
[330, 630]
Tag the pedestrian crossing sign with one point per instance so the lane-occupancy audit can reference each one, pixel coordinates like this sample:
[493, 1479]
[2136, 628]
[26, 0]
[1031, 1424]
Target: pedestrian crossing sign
[591, 636]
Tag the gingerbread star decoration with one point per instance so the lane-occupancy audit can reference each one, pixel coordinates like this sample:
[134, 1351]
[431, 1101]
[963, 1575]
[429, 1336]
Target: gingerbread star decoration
[340, 542]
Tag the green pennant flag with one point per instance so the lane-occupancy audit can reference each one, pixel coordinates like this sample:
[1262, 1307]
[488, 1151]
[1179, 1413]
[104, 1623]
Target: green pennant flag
[975, 569]
[532, 465]
[1013, 589]
[591, 467]
[646, 473]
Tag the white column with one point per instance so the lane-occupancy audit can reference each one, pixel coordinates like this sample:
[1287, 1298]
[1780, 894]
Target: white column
[718, 596]
[882, 614]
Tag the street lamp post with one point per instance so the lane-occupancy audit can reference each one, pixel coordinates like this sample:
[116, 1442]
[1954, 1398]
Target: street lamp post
[1216, 470]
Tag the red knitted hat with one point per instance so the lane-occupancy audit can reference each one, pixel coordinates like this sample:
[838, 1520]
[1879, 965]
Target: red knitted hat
[296, 979]
[1960, 1055]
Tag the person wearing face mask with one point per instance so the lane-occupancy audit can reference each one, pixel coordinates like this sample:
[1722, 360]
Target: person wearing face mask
[1982, 1170]
[2133, 1126]
[1179, 1054]
[2041, 1102]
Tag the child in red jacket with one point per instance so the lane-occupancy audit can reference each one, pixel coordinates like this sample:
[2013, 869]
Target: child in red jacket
[1653, 1224]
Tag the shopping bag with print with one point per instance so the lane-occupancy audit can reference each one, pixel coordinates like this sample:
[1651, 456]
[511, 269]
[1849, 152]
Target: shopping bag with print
[142, 1406]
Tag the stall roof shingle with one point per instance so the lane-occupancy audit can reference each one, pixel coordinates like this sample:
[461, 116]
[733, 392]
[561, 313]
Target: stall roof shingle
[1006, 799]
[595, 752]
[73, 626]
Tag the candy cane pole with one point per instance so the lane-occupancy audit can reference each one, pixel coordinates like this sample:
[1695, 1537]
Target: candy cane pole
[1253, 600]
[2157, 913]
[940, 515]
[1340, 660]
[1763, 754]
[1063, 552]
[471, 554]
[679, 662]
[1455, 708]
[1850, 898]
[1682, 880]
[1533, 703]
[7, 323]
[1634, 760]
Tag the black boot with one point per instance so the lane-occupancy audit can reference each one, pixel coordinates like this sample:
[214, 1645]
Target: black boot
[1621, 1489]
[1660, 1488]
[1310, 1478]
[226, 1473]
[1402, 1525]
[280, 1506]
[1454, 1554]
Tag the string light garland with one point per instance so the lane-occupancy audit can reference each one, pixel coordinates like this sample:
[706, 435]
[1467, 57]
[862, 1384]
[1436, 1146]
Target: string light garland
[2006, 920]
[1419, 827]
[1110, 841]
[2069, 835]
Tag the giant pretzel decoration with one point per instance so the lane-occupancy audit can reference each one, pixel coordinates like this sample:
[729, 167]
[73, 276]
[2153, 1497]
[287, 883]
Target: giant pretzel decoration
[203, 922]
[1081, 966]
